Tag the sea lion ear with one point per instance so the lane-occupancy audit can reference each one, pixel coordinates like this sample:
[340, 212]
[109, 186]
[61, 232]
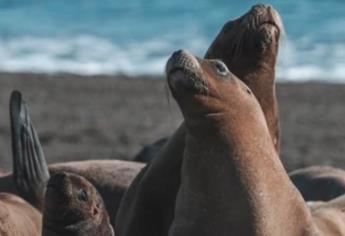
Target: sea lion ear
[30, 170]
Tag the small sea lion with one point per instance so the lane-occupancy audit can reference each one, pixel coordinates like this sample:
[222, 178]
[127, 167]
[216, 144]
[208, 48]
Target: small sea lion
[247, 45]
[17, 217]
[319, 183]
[232, 179]
[73, 207]
[31, 173]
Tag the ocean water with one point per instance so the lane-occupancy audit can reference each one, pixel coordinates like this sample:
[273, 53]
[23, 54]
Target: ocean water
[136, 37]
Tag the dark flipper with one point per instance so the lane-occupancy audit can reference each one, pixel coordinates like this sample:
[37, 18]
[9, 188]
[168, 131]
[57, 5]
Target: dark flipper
[148, 152]
[30, 170]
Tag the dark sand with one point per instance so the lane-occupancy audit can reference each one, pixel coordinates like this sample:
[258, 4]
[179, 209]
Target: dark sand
[106, 117]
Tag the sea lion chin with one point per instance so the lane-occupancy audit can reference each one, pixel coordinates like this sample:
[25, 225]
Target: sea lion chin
[73, 206]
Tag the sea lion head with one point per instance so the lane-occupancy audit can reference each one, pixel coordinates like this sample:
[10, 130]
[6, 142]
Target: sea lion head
[249, 42]
[73, 204]
[205, 89]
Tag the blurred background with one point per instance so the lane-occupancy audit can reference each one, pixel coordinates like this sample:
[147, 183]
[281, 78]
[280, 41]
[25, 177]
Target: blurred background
[92, 73]
[135, 37]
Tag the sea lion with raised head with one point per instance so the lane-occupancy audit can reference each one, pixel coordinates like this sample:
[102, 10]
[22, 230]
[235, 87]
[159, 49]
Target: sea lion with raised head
[73, 207]
[31, 173]
[17, 217]
[232, 179]
[249, 46]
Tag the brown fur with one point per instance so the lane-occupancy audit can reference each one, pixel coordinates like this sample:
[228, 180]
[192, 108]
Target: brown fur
[17, 217]
[110, 177]
[154, 190]
[249, 47]
[232, 180]
[74, 207]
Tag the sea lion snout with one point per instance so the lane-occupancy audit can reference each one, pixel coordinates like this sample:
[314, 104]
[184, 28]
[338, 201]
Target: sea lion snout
[58, 188]
[265, 15]
[57, 180]
[184, 72]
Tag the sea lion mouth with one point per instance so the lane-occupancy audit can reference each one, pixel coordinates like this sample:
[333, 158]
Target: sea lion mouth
[184, 73]
[57, 189]
[264, 16]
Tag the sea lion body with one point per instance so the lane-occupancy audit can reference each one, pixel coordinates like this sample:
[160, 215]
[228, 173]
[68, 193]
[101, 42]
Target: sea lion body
[17, 217]
[31, 172]
[163, 172]
[110, 177]
[319, 183]
[73, 207]
[232, 180]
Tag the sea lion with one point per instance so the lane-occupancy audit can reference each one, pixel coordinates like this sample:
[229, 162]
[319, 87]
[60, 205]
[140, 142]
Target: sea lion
[31, 173]
[17, 217]
[319, 183]
[249, 46]
[232, 179]
[73, 207]
[251, 42]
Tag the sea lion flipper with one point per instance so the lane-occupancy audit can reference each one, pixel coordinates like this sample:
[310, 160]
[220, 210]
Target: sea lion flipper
[30, 170]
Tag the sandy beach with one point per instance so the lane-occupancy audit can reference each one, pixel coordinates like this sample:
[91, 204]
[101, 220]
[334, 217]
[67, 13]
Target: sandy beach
[112, 117]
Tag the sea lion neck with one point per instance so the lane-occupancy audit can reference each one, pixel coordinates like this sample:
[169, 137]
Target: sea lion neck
[262, 84]
[231, 173]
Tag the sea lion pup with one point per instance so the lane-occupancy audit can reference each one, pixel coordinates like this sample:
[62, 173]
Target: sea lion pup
[319, 183]
[232, 180]
[251, 42]
[17, 217]
[73, 207]
[30, 171]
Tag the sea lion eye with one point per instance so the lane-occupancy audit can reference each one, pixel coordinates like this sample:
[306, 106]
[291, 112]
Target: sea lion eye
[221, 68]
[82, 195]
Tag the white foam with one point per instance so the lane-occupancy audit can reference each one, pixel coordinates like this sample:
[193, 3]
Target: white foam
[89, 55]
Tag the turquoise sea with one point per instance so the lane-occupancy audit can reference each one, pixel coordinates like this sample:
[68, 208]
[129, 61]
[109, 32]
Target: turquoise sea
[136, 37]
